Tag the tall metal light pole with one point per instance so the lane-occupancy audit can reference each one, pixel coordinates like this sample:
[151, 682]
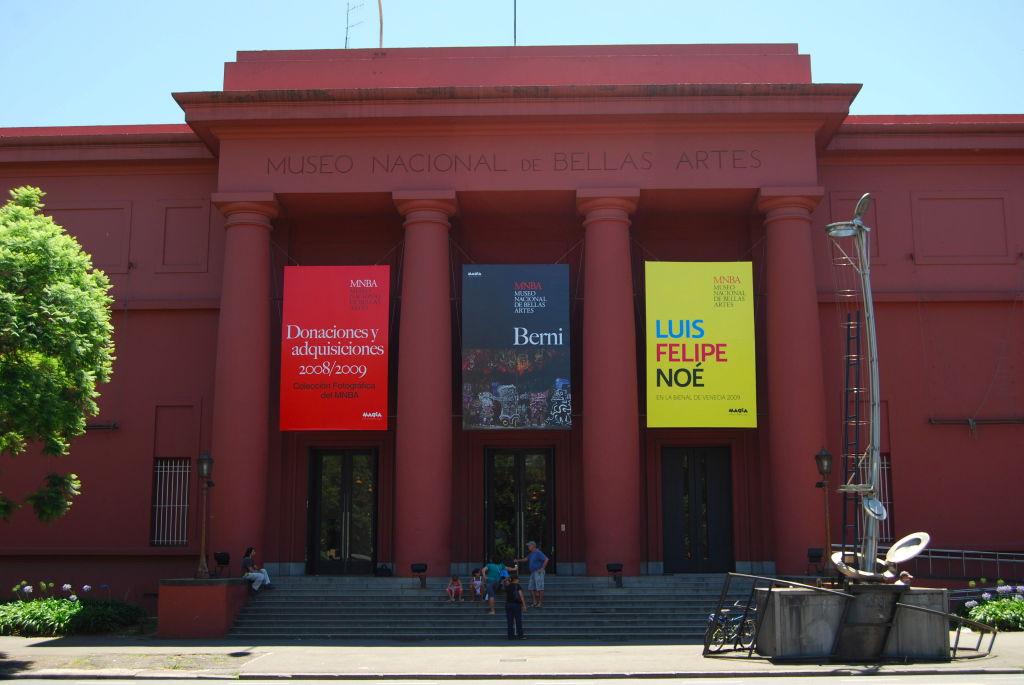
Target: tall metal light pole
[869, 490]
[205, 467]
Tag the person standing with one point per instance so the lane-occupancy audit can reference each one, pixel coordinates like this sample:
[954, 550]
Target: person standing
[538, 563]
[515, 606]
[492, 577]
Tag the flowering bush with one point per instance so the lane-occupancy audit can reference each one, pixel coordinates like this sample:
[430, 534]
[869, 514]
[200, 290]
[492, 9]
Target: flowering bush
[41, 613]
[1004, 610]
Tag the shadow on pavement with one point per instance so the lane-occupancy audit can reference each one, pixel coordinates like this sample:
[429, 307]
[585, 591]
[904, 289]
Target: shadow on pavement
[11, 666]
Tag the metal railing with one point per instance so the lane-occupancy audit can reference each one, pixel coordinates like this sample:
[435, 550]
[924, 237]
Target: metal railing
[967, 565]
[980, 628]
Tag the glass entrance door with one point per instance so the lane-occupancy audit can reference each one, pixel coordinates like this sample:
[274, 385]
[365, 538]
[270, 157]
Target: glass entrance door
[342, 512]
[696, 507]
[520, 502]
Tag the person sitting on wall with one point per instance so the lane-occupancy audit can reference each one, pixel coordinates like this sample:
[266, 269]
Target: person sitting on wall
[253, 573]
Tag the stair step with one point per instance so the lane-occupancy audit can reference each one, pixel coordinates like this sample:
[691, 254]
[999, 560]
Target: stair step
[647, 608]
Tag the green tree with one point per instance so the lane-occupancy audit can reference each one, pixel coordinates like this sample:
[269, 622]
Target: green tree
[56, 342]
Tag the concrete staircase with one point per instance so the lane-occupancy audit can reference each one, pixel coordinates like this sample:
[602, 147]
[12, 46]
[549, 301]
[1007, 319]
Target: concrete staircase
[646, 609]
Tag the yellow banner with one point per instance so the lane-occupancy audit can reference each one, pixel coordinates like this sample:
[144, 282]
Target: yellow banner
[700, 345]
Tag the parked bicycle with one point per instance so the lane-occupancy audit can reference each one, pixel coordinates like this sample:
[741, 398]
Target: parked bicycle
[728, 628]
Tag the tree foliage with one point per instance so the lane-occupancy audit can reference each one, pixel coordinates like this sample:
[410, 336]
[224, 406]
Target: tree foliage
[56, 342]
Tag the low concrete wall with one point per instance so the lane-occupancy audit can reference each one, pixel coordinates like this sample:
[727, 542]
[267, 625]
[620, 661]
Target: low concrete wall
[797, 623]
[918, 634]
[801, 623]
[193, 608]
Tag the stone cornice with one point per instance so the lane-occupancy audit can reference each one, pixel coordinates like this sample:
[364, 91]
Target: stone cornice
[222, 114]
[100, 144]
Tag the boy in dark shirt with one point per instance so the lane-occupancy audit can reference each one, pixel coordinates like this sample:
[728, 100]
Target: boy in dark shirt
[515, 606]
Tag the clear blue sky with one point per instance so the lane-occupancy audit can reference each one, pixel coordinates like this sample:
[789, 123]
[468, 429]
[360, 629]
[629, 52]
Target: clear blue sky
[87, 62]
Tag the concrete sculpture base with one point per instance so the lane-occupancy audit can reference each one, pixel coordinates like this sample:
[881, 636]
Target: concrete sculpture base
[800, 623]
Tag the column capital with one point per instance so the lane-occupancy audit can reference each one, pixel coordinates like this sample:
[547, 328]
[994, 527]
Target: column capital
[606, 203]
[797, 201]
[410, 201]
[247, 208]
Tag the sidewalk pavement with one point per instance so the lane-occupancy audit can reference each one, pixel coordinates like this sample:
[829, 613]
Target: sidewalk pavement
[100, 657]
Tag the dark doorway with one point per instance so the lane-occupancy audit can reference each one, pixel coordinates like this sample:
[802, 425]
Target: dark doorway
[520, 502]
[696, 507]
[342, 512]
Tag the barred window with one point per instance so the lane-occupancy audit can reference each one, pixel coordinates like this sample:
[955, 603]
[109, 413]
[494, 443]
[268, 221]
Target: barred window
[171, 479]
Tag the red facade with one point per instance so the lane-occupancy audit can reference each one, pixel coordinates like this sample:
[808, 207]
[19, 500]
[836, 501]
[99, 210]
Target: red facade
[601, 158]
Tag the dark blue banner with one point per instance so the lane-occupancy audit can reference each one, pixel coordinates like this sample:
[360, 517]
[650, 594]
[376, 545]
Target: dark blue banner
[515, 346]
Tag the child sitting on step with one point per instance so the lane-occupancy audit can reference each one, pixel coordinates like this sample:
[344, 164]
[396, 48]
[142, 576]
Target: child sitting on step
[454, 589]
[477, 585]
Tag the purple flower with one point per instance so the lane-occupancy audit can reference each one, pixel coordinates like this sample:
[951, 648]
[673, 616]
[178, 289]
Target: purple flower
[986, 596]
[66, 587]
[86, 588]
[1004, 589]
[73, 598]
[106, 587]
[1019, 598]
[1020, 589]
[27, 589]
[971, 604]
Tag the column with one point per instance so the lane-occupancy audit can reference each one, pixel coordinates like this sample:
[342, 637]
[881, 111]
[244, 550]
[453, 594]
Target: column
[796, 384]
[611, 433]
[241, 379]
[423, 429]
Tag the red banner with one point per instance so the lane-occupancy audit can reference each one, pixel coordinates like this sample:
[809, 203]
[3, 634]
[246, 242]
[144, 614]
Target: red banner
[334, 348]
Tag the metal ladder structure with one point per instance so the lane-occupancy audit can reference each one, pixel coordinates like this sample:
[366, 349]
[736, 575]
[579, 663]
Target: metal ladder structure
[853, 421]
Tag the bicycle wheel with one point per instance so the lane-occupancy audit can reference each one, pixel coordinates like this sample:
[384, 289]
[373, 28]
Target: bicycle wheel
[746, 633]
[718, 637]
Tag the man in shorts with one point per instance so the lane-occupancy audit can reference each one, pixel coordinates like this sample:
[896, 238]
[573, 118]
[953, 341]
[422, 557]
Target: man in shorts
[538, 563]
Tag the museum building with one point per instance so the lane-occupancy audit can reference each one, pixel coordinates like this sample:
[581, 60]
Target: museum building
[566, 172]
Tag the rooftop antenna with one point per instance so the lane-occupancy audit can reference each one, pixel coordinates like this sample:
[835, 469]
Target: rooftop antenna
[515, 23]
[380, 15]
[348, 24]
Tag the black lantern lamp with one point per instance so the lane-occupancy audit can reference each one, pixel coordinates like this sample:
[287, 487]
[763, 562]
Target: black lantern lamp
[204, 464]
[823, 460]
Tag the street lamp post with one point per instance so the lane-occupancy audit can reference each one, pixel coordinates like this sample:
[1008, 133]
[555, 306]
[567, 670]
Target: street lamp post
[823, 460]
[205, 467]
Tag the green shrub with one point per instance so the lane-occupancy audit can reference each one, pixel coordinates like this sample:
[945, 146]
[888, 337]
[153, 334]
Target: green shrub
[49, 616]
[106, 615]
[1003, 610]
[1005, 614]
[45, 616]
